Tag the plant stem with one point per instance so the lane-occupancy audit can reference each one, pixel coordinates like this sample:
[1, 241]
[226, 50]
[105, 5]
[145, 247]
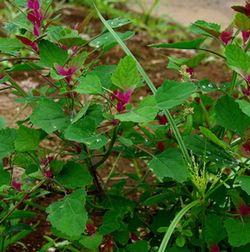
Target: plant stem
[2, 248]
[210, 51]
[205, 113]
[174, 223]
[17, 87]
[113, 168]
[108, 152]
[233, 83]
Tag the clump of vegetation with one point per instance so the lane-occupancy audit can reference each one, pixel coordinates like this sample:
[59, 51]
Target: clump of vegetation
[168, 172]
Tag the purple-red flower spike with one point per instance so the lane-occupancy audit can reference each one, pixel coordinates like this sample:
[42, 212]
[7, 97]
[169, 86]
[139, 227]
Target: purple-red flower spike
[247, 7]
[243, 210]
[162, 119]
[122, 99]
[226, 36]
[48, 174]
[35, 16]
[214, 248]
[33, 4]
[67, 72]
[91, 229]
[245, 36]
[246, 147]
[16, 185]
[46, 161]
[28, 42]
[190, 71]
[161, 146]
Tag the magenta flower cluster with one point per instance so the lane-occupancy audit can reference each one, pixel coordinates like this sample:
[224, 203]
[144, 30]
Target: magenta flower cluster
[122, 99]
[35, 16]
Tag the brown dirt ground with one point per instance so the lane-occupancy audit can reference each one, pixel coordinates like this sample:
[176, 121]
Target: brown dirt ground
[154, 62]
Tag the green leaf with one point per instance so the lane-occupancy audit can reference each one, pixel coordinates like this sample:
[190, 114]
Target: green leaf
[5, 176]
[175, 63]
[4, 79]
[180, 241]
[69, 215]
[112, 221]
[29, 161]
[74, 176]
[51, 54]
[193, 44]
[208, 151]
[92, 241]
[22, 214]
[244, 182]
[107, 41]
[10, 45]
[169, 164]
[80, 114]
[145, 112]
[173, 93]
[49, 116]
[2, 123]
[204, 28]
[242, 22]
[238, 232]
[29, 66]
[244, 106]
[206, 86]
[118, 22]
[64, 35]
[154, 200]
[125, 141]
[79, 60]
[138, 246]
[126, 75]
[237, 59]
[229, 115]
[105, 73]
[213, 138]
[7, 140]
[27, 139]
[214, 231]
[89, 84]
[96, 142]
[83, 132]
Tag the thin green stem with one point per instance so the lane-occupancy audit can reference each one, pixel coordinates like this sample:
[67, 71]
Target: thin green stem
[17, 87]
[233, 82]
[174, 223]
[2, 247]
[113, 168]
[205, 113]
[210, 51]
[108, 152]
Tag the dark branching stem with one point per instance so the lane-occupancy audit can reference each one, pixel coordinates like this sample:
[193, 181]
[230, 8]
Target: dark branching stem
[109, 151]
[93, 167]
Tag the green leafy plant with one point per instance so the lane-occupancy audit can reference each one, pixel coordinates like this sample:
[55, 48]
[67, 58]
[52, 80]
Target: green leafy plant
[168, 172]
